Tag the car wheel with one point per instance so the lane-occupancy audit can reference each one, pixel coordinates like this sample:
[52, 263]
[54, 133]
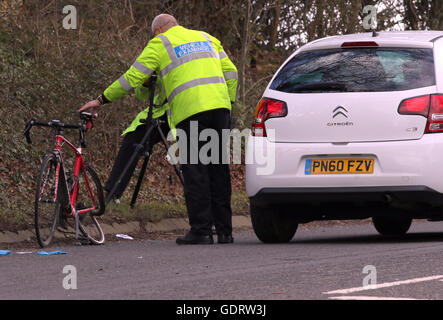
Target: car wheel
[272, 225]
[392, 225]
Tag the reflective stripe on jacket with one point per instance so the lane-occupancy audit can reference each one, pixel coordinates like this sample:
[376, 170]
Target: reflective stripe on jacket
[193, 68]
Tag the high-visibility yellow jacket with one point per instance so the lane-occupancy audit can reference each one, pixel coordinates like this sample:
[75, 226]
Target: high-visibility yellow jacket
[193, 68]
[162, 107]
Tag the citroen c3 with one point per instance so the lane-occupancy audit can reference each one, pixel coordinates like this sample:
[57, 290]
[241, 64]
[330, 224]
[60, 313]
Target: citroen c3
[354, 127]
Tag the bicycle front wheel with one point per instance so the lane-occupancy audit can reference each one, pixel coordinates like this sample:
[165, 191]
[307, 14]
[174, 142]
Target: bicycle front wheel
[47, 205]
[90, 195]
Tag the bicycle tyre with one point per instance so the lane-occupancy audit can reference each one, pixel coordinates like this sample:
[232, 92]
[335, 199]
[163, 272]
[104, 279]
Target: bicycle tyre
[47, 207]
[89, 225]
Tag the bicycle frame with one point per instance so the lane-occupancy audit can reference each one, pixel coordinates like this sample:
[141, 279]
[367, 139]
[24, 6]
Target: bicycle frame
[79, 165]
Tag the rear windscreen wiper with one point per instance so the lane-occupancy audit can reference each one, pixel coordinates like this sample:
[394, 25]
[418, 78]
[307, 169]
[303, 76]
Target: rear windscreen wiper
[319, 86]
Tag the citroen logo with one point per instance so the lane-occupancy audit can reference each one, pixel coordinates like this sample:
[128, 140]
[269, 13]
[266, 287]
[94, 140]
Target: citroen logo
[340, 110]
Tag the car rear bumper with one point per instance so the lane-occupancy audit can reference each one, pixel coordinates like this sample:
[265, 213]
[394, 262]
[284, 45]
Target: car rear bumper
[310, 204]
[361, 195]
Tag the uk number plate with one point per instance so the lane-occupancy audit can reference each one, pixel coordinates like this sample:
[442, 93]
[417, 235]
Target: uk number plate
[339, 166]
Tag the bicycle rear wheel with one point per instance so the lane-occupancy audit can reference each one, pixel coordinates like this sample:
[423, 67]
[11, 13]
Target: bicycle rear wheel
[47, 204]
[90, 194]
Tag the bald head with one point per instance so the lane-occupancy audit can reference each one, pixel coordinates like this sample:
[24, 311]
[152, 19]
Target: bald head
[162, 23]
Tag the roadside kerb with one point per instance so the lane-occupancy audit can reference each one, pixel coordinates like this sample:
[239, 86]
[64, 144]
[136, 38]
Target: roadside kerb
[165, 225]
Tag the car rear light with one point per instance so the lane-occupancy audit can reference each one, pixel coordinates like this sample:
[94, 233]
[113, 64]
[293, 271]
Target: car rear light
[415, 106]
[359, 44]
[435, 118]
[266, 109]
[430, 107]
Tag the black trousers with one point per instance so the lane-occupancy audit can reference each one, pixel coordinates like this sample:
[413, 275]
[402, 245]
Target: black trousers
[127, 148]
[207, 187]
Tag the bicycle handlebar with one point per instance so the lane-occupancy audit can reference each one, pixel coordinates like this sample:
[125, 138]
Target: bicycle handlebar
[57, 124]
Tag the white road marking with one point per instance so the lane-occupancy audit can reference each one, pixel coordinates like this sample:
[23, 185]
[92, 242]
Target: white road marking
[368, 298]
[384, 285]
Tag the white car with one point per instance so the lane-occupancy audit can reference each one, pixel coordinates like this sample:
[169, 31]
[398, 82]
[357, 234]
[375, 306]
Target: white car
[351, 127]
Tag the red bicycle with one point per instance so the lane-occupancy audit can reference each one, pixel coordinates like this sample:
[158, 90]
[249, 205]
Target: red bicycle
[61, 195]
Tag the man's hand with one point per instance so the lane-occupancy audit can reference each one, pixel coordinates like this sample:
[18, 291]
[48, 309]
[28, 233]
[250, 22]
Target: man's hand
[93, 106]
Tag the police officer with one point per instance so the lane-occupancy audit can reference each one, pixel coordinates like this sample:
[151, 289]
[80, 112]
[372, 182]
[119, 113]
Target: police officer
[200, 84]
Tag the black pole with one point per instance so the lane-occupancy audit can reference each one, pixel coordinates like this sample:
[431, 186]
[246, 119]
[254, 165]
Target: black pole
[151, 85]
[140, 179]
[139, 147]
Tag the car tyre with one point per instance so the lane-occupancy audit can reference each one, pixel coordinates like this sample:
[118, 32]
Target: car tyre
[272, 224]
[392, 225]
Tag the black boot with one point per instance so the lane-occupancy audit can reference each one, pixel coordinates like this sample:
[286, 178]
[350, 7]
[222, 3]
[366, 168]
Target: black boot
[225, 238]
[192, 238]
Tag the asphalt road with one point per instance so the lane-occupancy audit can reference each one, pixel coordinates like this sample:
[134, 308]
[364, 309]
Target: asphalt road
[325, 262]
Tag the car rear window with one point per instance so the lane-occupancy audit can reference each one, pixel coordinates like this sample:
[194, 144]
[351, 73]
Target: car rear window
[357, 70]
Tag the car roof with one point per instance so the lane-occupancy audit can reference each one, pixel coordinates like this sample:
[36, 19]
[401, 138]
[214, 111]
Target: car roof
[411, 39]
